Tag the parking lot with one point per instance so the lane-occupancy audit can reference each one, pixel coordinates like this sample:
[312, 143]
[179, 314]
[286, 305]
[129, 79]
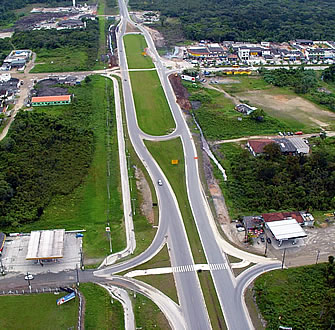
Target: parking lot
[15, 251]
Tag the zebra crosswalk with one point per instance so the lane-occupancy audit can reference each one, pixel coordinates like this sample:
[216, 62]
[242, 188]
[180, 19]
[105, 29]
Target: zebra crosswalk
[192, 268]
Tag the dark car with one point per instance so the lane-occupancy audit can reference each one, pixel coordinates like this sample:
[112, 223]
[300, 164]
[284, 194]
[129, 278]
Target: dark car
[268, 240]
[262, 239]
[239, 225]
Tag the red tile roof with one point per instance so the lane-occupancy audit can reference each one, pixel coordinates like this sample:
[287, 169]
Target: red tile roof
[278, 216]
[51, 98]
[258, 145]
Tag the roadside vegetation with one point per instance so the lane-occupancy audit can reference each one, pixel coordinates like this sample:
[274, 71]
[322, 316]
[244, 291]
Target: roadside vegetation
[173, 149]
[300, 298]
[100, 312]
[219, 120]
[152, 109]
[37, 311]
[148, 315]
[60, 155]
[280, 182]
[135, 46]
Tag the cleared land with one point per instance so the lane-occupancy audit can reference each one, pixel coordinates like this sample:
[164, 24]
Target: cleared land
[60, 60]
[88, 206]
[280, 103]
[173, 149]
[100, 313]
[37, 311]
[152, 109]
[135, 45]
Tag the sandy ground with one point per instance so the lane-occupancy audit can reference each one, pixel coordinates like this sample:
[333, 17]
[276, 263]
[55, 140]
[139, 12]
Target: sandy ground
[293, 107]
[146, 203]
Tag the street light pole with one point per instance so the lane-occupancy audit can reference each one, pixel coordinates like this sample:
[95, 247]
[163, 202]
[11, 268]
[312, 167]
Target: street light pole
[77, 275]
[317, 257]
[282, 264]
[29, 285]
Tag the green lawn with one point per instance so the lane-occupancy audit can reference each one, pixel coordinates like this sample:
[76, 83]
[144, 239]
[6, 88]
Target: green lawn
[100, 313]
[135, 45]
[88, 207]
[61, 60]
[164, 152]
[152, 109]
[37, 311]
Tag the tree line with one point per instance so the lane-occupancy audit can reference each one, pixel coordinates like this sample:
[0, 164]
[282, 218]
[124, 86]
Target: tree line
[273, 182]
[248, 20]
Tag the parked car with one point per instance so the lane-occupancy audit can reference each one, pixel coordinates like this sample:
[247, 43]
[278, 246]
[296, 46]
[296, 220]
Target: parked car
[268, 240]
[280, 133]
[160, 182]
[29, 277]
[262, 239]
[239, 225]
[240, 229]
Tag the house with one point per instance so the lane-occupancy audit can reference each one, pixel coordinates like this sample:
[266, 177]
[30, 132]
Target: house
[286, 147]
[51, 100]
[245, 109]
[12, 85]
[71, 24]
[253, 225]
[308, 219]
[304, 42]
[256, 147]
[198, 52]
[279, 216]
[301, 146]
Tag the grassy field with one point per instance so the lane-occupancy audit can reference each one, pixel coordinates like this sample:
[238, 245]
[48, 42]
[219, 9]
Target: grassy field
[282, 103]
[135, 47]
[60, 60]
[148, 315]
[152, 109]
[176, 175]
[100, 313]
[37, 311]
[219, 120]
[294, 297]
[88, 207]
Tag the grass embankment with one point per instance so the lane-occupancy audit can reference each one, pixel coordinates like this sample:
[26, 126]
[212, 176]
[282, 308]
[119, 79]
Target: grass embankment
[135, 46]
[152, 109]
[148, 315]
[173, 149]
[219, 120]
[143, 229]
[88, 205]
[297, 297]
[37, 311]
[65, 59]
[100, 313]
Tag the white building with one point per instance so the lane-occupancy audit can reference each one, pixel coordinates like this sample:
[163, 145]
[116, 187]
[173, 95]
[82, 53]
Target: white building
[301, 146]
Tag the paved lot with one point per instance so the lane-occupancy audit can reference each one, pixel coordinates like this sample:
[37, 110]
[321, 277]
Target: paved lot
[15, 250]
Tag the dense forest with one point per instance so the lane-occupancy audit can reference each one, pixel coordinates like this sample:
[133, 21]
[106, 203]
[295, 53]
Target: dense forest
[304, 82]
[44, 155]
[273, 181]
[298, 298]
[246, 20]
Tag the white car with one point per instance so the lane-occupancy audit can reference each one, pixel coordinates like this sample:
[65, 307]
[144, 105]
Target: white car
[160, 183]
[29, 277]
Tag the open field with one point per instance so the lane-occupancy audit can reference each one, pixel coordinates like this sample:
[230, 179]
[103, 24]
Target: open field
[152, 109]
[100, 313]
[219, 120]
[37, 311]
[173, 149]
[88, 207]
[60, 60]
[135, 45]
[279, 102]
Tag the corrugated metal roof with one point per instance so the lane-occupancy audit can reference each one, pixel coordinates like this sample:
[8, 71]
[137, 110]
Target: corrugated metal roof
[46, 244]
[285, 229]
[51, 98]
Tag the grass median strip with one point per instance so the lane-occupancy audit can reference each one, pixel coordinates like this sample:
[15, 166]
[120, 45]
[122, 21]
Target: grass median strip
[152, 109]
[137, 58]
[164, 152]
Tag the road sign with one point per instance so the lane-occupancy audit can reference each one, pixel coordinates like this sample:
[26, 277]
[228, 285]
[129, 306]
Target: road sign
[108, 229]
[174, 161]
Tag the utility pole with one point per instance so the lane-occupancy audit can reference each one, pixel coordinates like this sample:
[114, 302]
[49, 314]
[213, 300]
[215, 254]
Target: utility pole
[282, 264]
[77, 272]
[317, 257]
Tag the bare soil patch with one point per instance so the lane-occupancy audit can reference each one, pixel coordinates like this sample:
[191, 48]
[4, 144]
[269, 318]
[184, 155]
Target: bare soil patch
[157, 37]
[180, 92]
[290, 107]
[146, 202]
[131, 28]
